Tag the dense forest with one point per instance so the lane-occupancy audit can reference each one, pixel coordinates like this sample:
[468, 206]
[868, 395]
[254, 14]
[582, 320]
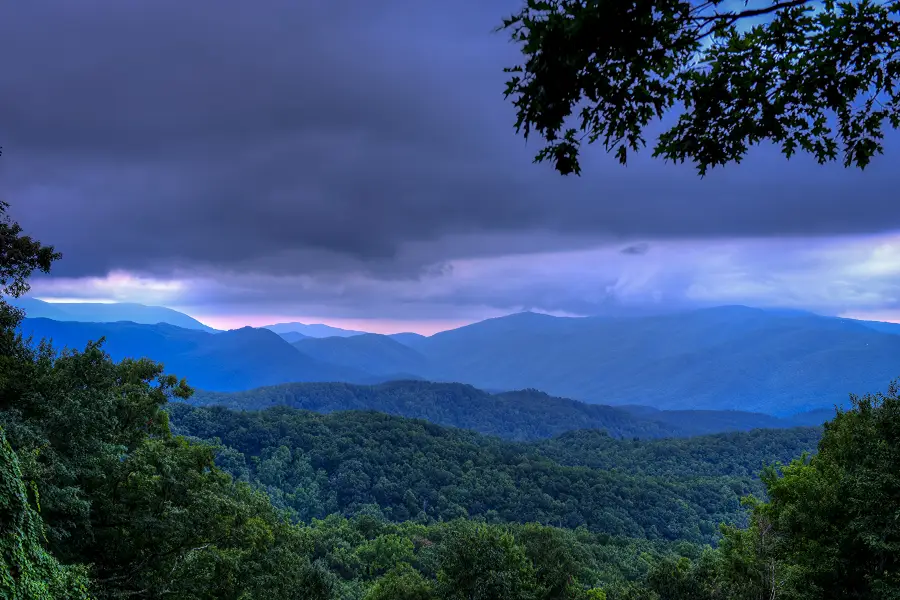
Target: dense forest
[736, 454]
[319, 464]
[517, 415]
[101, 498]
[522, 415]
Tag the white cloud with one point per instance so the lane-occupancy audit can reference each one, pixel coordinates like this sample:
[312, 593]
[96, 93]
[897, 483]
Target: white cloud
[118, 286]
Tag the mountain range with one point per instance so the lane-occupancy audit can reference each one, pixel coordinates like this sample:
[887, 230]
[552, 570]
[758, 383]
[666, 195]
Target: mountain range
[725, 358]
[231, 360]
[775, 362]
[730, 357]
[113, 312]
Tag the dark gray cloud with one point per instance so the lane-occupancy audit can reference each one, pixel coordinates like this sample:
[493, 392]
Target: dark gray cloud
[331, 136]
[638, 249]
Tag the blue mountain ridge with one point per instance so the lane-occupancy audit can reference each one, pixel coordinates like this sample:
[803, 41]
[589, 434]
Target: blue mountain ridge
[227, 361]
[725, 358]
[102, 312]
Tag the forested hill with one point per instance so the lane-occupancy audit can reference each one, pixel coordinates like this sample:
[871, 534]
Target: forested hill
[317, 464]
[735, 454]
[521, 415]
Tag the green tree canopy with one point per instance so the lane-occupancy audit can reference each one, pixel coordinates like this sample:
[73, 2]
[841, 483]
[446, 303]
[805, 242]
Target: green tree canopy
[99, 498]
[27, 570]
[20, 256]
[484, 563]
[401, 583]
[816, 76]
[837, 514]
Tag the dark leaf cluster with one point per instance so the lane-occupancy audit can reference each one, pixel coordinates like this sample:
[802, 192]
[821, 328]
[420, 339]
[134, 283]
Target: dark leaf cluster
[821, 78]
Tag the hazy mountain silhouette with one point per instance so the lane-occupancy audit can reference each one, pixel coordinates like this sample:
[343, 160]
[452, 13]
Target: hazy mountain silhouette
[731, 357]
[369, 352]
[316, 330]
[293, 336]
[407, 338]
[98, 312]
[725, 358]
[231, 360]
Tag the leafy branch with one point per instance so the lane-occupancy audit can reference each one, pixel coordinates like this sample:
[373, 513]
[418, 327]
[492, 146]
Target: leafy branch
[821, 78]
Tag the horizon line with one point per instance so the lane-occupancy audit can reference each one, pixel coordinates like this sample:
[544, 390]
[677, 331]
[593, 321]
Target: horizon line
[420, 327]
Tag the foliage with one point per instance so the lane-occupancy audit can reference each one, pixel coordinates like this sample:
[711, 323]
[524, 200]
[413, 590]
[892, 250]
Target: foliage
[441, 564]
[402, 583]
[836, 514]
[485, 563]
[147, 511]
[521, 415]
[20, 256]
[821, 77]
[343, 462]
[144, 513]
[77, 416]
[27, 570]
[829, 529]
[738, 454]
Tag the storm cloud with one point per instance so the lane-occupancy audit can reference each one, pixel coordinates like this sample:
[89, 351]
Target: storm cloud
[317, 138]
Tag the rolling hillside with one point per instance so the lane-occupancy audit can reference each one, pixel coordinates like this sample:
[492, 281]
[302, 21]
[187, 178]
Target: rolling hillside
[314, 464]
[700, 422]
[521, 415]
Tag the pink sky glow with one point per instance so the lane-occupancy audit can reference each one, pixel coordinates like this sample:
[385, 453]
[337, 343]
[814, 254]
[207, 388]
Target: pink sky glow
[382, 326]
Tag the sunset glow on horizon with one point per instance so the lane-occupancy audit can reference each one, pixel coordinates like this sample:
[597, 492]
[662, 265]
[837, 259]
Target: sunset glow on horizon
[381, 326]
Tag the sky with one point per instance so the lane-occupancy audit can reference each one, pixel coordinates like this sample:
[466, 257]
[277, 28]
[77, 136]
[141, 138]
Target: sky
[355, 163]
